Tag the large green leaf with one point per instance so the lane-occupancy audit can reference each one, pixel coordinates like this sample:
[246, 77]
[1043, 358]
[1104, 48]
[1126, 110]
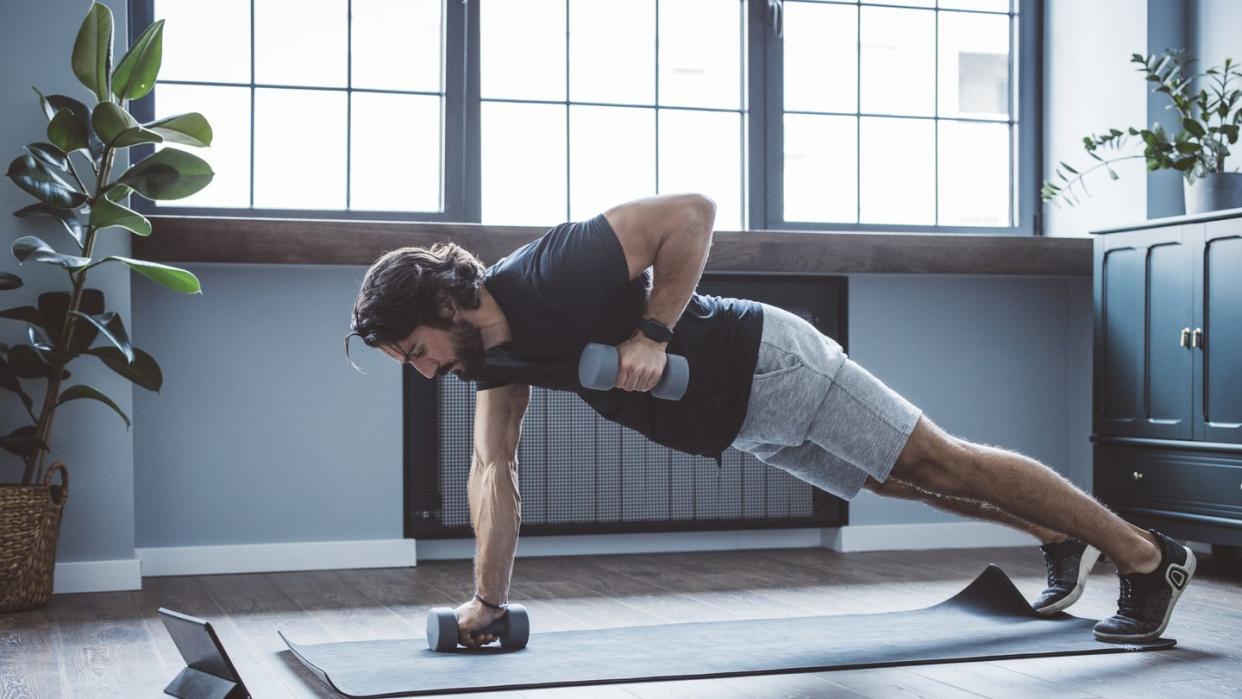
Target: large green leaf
[66, 216]
[9, 281]
[22, 441]
[9, 382]
[108, 213]
[67, 132]
[143, 371]
[31, 249]
[81, 391]
[54, 305]
[41, 183]
[54, 103]
[191, 129]
[169, 174]
[135, 74]
[109, 120]
[92, 51]
[112, 328]
[28, 364]
[49, 154]
[174, 278]
[26, 314]
[136, 135]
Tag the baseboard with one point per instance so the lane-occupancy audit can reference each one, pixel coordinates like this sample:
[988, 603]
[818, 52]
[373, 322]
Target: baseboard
[267, 558]
[933, 535]
[97, 576]
[592, 544]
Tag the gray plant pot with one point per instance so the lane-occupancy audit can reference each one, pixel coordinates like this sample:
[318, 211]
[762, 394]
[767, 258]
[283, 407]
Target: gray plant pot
[1213, 192]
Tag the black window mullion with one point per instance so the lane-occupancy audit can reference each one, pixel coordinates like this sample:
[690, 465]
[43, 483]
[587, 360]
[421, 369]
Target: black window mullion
[252, 101]
[473, 103]
[757, 105]
[349, 99]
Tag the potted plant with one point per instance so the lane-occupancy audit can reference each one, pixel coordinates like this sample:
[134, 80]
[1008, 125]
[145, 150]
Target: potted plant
[1209, 121]
[77, 181]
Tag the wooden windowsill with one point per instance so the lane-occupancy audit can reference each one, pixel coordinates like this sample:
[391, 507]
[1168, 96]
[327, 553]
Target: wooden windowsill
[190, 239]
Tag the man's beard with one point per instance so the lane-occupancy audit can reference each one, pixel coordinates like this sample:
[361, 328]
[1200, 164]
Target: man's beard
[467, 342]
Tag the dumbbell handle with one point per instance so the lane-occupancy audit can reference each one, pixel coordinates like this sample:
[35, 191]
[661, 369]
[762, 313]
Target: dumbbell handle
[599, 365]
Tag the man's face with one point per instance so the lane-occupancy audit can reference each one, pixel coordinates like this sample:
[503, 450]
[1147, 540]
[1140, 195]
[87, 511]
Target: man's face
[435, 352]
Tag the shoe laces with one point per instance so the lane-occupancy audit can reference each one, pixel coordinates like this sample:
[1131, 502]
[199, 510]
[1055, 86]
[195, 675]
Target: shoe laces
[1056, 566]
[1131, 600]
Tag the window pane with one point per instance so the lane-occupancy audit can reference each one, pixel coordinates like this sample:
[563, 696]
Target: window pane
[522, 49]
[227, 109]
[396, 44]
[908, 3]
[897, 171]
[394, 174]
[974, 174]
[612, 51]
[820, 157]
[192, 40]
[523, 161]
[298, 42]
[974, 65]
[701, 152]
[821, 57]
[612, 157]
[898, 61]
[701, 53]
[986, 5]
[299, 149]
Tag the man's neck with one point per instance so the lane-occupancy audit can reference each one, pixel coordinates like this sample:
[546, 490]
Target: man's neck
[490, 320]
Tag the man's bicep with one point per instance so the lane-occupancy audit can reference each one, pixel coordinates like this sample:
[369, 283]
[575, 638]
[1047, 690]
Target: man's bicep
[498, 416]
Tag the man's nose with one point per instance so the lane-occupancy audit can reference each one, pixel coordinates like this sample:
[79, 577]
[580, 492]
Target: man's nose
[426, 367]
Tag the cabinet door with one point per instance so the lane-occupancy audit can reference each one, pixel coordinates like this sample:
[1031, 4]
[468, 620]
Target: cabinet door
[1218, 312]
[1143, 301]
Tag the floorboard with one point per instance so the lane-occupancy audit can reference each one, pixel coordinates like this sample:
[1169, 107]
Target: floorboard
[113, 644]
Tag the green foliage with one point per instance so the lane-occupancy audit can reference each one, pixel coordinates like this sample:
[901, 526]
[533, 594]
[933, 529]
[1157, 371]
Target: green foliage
[1199, 148]
[66, 325]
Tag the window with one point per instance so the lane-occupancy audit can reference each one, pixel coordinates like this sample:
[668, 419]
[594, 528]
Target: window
[898, 115]
[586, 104]
[903, 115]
[326, 106]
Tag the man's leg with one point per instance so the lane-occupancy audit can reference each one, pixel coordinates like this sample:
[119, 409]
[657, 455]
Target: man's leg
[934, 461]
[894, 488]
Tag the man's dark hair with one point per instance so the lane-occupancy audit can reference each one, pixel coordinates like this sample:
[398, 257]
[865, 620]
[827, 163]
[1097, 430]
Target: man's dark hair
[409, 287]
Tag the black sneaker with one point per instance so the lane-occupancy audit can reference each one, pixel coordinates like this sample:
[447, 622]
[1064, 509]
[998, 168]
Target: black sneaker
[1147, 599]
[1068, 564]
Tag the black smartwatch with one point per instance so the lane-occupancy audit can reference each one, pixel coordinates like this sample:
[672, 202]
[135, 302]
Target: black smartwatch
[655, 330]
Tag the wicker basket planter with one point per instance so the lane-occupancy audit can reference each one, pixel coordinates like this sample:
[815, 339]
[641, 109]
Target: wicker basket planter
[29, 528]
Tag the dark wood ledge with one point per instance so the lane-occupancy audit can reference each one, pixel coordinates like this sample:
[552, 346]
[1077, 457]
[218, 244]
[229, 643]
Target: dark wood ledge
[182, 239]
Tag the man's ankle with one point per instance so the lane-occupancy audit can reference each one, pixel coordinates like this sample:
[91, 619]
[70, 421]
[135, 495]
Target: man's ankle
[1146, 561]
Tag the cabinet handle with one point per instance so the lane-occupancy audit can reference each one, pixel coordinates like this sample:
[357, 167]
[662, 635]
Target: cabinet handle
[1196, 338]
[1138, 475]
[1185, 341]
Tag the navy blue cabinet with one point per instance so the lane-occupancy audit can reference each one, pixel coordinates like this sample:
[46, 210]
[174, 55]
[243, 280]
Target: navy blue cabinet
[1167, 415]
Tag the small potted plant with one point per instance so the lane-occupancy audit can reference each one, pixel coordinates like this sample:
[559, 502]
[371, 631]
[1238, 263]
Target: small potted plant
[1209, 122]
[77, 182]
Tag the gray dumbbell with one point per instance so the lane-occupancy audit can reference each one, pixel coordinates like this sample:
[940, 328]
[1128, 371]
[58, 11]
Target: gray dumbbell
[513, 629]
[599, 364]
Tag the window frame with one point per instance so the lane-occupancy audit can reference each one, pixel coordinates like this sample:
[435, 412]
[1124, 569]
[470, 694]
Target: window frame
[763, 166]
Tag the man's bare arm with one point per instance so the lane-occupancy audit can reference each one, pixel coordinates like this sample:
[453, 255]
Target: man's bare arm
[672, 233]
[495, 503]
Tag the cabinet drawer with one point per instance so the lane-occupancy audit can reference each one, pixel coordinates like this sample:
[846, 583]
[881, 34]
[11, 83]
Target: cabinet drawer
[1191, 481]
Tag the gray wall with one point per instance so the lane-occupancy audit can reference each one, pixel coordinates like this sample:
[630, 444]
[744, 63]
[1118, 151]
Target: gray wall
[263, 432]
[36, 41]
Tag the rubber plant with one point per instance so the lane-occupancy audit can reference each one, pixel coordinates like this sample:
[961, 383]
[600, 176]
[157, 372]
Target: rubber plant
[1199, 148]
[77, 181]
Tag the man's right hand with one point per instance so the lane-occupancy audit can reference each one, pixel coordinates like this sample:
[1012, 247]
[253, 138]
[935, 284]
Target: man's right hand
[471, 617]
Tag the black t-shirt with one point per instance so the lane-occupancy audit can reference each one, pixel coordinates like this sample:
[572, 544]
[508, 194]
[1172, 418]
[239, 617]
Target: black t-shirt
[571, 287]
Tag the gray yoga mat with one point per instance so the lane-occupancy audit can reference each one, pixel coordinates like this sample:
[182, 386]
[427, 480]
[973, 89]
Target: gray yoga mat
[987, 620]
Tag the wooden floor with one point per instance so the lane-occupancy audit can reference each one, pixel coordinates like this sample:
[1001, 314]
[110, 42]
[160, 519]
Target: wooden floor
[112, 644]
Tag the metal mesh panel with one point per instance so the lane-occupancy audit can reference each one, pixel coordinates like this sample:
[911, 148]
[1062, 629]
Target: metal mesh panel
[580, 473]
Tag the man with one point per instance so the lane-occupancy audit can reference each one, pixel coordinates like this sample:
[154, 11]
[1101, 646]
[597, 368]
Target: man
[761, 380]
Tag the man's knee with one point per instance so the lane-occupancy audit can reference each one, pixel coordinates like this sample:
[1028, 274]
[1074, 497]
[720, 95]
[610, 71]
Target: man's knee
[934, 460]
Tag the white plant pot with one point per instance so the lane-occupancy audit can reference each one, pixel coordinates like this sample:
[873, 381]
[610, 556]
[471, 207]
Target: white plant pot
[1213, 192]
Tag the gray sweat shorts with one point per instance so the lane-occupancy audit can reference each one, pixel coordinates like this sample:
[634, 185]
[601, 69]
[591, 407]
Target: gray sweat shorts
[817, 414]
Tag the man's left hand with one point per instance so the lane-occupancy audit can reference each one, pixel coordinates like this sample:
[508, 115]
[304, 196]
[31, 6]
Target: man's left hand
[642, 363]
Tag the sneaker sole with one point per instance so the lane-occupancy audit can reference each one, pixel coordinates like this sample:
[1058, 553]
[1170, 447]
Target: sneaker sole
[1189, 568]
[1089, 556]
